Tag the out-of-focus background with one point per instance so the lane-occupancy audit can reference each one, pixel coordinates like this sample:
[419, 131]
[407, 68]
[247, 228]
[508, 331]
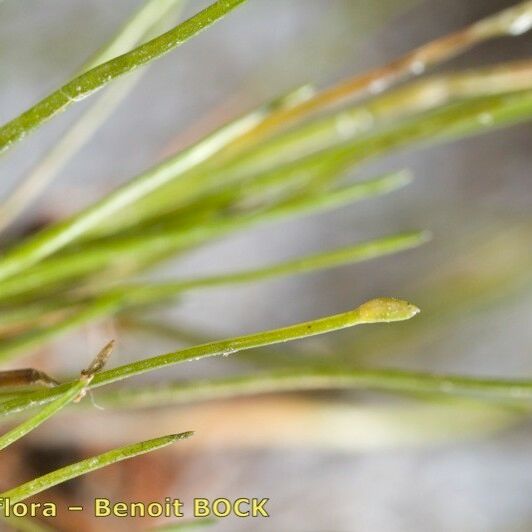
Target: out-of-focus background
[394, 465]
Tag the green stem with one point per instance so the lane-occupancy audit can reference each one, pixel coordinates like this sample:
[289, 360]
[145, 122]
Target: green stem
[300, 151]
[47, 412]
[104, 306]
[350, 255]
[130, 296]
[511, 391]
[99, 76]
[142, 26]
[45, 482]
[148, 20]
[383, 310]
[60, 235]
[143, 245]
[512, 21]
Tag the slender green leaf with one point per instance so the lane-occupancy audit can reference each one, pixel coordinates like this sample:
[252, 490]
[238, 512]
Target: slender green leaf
[501, 390]
[299, 152]
[104, 306]
[346, 129]
[60, 235]
[99, 76]
[125, 297]
[144, 246]
[148, 21]
[140, 26]
[471, 116]
[59, 476]
[338, 257]
[512, 21]
[382, 310]
[47, 412]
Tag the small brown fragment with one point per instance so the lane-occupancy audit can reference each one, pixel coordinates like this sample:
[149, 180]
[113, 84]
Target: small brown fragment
[25, 377]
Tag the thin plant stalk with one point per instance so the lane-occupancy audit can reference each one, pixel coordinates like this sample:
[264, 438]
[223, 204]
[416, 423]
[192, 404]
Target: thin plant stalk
[89, 260]
[381, 310]
[60, 235]
[131, 296]
[286, 152]
[33, 487]
[26, 254]
[511, 391]
[147, 21]
[45, 413]
[504, 23]
[98, 77]
[141, 26]
[512, 21]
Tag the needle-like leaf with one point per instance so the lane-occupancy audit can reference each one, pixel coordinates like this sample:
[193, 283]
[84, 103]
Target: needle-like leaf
[136, 248]
[513, 392]
[99, 76]
[130, 296]
[381, 310]
[47, 412]
[147, 21]
[515, 20]
[45, 482]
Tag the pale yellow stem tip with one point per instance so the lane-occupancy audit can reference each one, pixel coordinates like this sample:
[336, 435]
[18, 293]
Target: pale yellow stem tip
[386, 309]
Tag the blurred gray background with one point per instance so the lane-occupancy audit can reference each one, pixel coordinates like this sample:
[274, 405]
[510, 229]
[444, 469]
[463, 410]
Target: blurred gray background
[464, 193]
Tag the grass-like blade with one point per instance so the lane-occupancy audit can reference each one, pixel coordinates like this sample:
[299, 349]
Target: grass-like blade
[147, 21]
[331, 259]
[99, 76]
[381, 310]
[514, 392]
[45, 413]
[376, 119]
[57, 273]
[136, 30]
[470, 116]
[95, 257]
[512, 21]
[59, 476]
[104, 306]
[126, 297]
[112, 301]
[60, 235]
